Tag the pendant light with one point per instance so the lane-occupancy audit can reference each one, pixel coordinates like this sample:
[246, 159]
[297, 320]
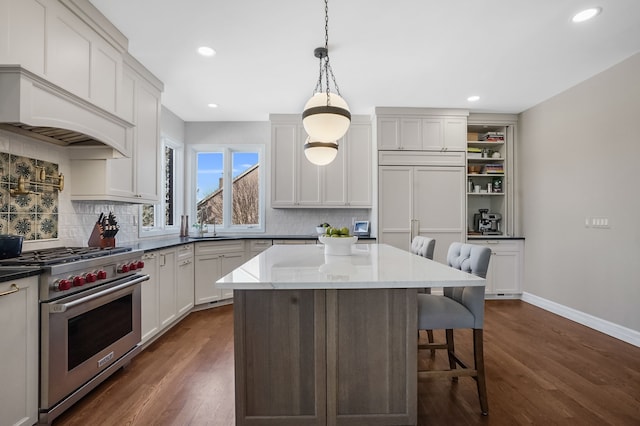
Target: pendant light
[320, 153]
[326, 116]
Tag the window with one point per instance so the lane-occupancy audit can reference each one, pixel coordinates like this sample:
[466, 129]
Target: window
[164, 216]
[229, 188]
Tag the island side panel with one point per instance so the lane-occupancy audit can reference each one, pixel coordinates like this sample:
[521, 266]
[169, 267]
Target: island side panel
[372, 357]
[280, 357]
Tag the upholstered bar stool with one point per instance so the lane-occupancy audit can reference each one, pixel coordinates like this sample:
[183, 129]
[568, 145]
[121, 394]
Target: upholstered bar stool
[424, 246]
[459, 307]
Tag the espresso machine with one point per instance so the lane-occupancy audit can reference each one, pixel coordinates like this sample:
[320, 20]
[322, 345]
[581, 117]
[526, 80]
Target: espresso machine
[487, 223]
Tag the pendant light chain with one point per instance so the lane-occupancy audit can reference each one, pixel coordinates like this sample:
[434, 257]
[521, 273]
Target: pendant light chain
[325, 65]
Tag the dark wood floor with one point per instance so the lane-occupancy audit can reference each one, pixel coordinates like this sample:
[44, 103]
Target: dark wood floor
[541, 369]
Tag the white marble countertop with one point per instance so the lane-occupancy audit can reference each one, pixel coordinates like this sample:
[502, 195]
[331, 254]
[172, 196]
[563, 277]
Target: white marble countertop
[369, 266]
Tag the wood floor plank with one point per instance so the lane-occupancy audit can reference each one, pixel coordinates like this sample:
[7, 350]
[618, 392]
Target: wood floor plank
[541, 370]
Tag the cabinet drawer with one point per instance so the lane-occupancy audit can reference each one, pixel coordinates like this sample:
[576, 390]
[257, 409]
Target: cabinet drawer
[259, 245]
[219, 247]
[421, 158]
[184, 251]
[500, 245]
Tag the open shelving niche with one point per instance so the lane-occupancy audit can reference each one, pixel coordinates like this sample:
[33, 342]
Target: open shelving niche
[484, 169]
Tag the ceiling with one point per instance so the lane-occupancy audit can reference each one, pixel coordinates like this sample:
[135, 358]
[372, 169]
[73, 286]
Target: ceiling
[406, 53]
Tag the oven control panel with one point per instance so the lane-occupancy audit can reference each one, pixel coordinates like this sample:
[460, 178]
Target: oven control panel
[83, 275]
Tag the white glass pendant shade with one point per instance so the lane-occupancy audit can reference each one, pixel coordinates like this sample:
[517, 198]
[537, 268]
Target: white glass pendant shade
[320, 153]
[324, 122]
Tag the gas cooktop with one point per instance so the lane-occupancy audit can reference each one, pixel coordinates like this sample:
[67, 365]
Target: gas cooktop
[57, 255]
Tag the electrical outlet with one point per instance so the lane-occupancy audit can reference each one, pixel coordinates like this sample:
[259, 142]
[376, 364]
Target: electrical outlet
[598, 222]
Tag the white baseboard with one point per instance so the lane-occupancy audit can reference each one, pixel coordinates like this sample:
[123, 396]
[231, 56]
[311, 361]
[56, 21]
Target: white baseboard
[614, 330]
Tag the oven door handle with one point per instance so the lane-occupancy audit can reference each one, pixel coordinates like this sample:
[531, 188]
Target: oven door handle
[62, 307]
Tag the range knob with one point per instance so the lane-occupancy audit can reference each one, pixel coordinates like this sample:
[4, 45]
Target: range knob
[91, 277]
[61, 285]
[78, 281]
[101, 274]
[123, 268]
[133, 266]
[140, 264]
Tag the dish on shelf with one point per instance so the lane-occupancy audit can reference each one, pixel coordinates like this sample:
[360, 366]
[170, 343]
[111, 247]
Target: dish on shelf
[475, 169]
[337, 246]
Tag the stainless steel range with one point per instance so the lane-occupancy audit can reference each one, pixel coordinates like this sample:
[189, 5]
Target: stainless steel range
[89, 319]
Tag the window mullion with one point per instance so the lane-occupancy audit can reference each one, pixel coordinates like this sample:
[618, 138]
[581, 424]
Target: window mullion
[227, 187]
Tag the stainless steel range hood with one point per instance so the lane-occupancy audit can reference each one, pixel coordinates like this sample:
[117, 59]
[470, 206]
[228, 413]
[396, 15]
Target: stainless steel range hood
[34, 107]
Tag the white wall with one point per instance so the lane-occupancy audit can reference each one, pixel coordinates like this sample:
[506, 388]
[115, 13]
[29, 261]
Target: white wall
[171, 125]
[580, 157]
[278, 221]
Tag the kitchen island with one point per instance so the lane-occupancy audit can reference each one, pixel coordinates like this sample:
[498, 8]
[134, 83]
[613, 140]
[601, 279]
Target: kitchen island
[330, 339]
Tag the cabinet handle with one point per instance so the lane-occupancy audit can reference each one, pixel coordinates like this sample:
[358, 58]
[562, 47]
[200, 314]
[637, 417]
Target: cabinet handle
[14, 289]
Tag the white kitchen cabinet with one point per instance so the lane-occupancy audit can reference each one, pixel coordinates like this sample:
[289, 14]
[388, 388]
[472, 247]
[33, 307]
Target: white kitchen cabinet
[68, 44]
[504, 277]
[168, 294]
[167, 286]
[23, 37]
[295, 181]
[184, 279]
[421, 129]
[135, 179]
[420, 199]
[150, 297]
[213, 260]
[345, 182]
[255, 247]
[19, 352]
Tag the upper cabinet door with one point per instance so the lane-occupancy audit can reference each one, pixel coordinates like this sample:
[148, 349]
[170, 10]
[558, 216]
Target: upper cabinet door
[308, 176]
[334, 185]
[358, 147]
[22, 39]
[284, 157]
[411, 134]
[455, 133]
[432, 134]
[147, 131]
[388, 133]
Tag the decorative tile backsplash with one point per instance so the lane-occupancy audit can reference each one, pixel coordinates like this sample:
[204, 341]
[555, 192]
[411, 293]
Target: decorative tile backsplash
[34, 214]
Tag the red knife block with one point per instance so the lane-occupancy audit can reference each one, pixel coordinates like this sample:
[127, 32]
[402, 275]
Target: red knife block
[97, 240]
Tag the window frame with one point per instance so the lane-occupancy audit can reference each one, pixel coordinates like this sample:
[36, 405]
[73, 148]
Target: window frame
[160, 227]
[227, 152]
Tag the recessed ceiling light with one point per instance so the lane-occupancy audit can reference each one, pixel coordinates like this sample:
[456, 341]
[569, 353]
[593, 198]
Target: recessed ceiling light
[212, 105]
[473, 98]
[206, 51]
[586, 14]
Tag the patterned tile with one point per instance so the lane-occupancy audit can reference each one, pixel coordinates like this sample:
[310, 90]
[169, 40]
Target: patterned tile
[33, 215]
[47, 226]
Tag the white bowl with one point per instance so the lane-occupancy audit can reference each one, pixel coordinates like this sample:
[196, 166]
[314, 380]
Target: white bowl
[320, 230]
[337, 246]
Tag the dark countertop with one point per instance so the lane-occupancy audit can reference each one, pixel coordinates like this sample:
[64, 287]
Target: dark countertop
[493, 237]
[9, 273]
[168, 242]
